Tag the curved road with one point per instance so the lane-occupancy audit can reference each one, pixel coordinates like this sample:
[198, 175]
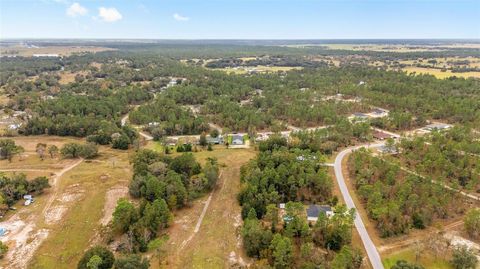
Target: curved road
[372, 251]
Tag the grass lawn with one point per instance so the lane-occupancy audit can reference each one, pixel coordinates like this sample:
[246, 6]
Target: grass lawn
[429, 262]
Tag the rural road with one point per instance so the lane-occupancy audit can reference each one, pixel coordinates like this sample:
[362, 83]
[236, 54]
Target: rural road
[372, 251]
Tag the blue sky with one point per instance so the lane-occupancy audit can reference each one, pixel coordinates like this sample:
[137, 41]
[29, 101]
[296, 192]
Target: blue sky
[240, 19]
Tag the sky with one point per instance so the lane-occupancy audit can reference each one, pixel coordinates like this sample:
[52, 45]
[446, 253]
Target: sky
[240, 19]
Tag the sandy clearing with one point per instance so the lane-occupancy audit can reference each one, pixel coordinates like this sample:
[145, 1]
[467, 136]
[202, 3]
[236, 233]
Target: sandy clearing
[24, 237]
[55, 214]
[111, 198]
[22, 240]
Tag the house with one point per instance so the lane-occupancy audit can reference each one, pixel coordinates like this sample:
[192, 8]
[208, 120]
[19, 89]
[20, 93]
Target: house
[304, 158]
[380, 135]
[358, 117]
[262, 137]
[215, 140]
[379, 113]
[437, 126]
[281, 205]
[387, 150]
[313, 211]
[153, 124]
[237, 140]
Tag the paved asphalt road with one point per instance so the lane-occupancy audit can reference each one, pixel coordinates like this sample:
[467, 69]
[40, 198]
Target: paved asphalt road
[372, 252]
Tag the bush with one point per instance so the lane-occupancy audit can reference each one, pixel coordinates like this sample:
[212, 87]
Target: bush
[132, 262]
[3, 249]
[105, 254]
[464, 258]
[75, 150]
[472, 222]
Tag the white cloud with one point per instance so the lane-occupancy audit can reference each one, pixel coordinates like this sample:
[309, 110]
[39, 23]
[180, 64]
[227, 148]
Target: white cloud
[179, 17]
[76, 10]
[109, 14]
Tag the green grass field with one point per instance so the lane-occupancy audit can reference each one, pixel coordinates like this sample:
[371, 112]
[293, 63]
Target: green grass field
[425, 260]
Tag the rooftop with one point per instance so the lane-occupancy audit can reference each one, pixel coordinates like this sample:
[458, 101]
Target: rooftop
[314, 210]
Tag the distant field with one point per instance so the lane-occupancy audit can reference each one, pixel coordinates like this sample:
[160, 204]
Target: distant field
[61, 50]
[398, 48]
[438, 73]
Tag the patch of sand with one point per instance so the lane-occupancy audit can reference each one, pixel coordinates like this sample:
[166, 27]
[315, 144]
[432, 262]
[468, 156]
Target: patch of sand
[111, 198]
[23, 239]
[55, 214]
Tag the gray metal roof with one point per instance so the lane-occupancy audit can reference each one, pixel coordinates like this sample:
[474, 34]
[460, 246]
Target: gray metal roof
[314, 210]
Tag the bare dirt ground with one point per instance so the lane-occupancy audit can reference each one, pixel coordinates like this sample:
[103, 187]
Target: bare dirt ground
[24, 235]
[54, 231]
[111, 198]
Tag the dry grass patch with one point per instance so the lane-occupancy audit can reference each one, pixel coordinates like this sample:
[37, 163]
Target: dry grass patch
[79, 208]
[439, 74]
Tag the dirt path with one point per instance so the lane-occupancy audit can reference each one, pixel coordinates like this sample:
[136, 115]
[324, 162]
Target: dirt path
[199, 223]
[53, 183]
[420, 236]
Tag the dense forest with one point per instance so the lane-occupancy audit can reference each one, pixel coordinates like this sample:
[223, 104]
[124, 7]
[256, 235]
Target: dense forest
[450, 157]
[397, 200]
